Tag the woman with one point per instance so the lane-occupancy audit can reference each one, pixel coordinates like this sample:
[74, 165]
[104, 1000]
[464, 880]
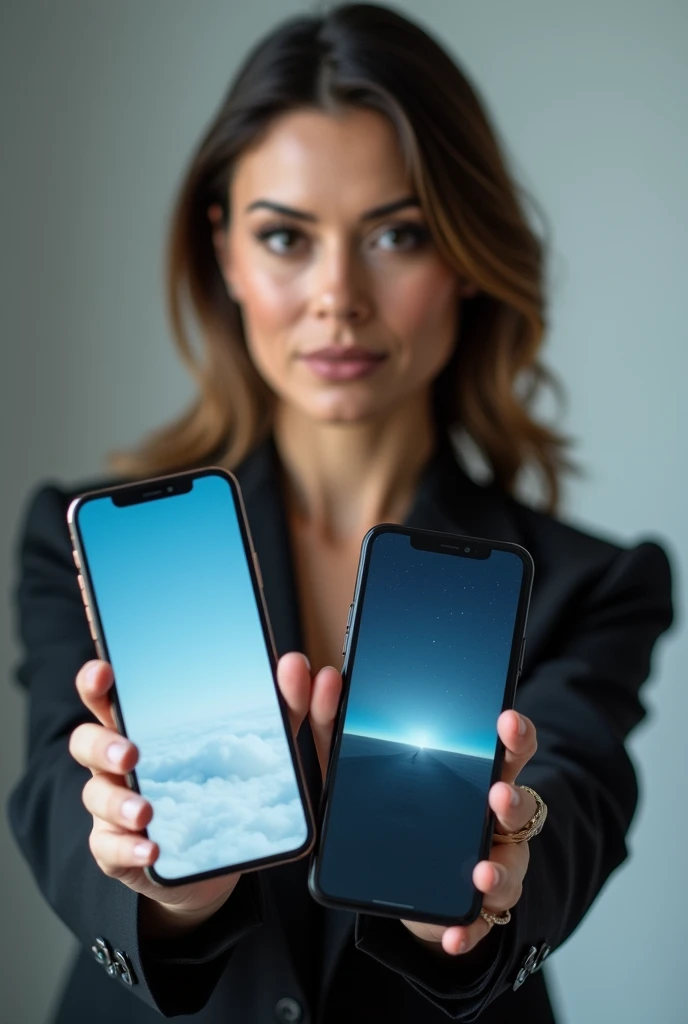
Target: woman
[354, 252]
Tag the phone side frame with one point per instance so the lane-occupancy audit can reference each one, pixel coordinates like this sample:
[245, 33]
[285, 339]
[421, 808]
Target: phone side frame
[98, 635]
[512, 677]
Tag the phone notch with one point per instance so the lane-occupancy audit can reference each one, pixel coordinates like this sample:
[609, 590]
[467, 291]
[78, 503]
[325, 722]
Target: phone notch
[462, 548]
[152, 490]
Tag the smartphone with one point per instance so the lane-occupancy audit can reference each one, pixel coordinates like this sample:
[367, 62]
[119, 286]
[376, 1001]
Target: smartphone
[173, 594]
[433, 650]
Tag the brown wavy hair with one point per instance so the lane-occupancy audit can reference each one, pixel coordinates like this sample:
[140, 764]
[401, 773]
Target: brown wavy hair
[366, 55]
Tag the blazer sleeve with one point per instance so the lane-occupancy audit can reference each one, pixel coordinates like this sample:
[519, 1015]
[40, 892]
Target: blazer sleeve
[46, 812]
[583, 700]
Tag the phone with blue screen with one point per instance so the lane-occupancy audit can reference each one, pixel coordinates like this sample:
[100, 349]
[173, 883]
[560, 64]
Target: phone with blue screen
[434, 648]
[172, 589]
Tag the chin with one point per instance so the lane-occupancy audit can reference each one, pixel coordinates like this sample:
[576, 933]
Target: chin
[342, 409]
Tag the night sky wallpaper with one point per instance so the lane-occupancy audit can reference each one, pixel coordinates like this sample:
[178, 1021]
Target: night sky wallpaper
[409, 794]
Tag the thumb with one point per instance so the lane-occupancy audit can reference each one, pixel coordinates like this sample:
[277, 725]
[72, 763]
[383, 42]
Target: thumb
[294, 681]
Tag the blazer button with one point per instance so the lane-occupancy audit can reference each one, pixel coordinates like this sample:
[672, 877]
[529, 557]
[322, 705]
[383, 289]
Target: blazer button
[526, 967]
[124, 968]
[102, 951]
[542, 955]
[288, 1010]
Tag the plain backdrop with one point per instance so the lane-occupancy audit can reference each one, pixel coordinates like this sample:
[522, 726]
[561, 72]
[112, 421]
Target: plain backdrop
[100, 105]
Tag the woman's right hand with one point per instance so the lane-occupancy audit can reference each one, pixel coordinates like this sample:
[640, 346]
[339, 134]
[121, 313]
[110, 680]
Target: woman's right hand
[119, 814]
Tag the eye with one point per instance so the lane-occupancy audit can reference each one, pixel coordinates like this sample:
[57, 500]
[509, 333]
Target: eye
[281, 239]
[403, 237]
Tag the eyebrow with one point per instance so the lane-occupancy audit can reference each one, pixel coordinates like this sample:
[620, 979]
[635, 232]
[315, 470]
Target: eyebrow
[374, 214]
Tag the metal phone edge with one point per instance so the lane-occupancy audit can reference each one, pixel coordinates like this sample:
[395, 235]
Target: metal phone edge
[510, 688]
[266, 627]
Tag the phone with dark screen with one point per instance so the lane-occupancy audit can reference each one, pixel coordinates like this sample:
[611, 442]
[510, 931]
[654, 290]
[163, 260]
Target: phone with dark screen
[434, 648]
[172, 589]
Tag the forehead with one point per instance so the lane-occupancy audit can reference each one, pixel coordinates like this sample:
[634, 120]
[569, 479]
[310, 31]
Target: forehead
[323, 162]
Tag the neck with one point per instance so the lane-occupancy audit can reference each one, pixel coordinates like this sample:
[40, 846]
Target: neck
[344, 478]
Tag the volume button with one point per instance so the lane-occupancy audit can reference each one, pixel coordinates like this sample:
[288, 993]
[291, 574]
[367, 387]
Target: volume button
[82, 586]
[90, 623]
[346, 631]
[521, 655]
[77, 563]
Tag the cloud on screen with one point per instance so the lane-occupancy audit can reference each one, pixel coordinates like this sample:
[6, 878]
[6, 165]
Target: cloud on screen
[221, 794]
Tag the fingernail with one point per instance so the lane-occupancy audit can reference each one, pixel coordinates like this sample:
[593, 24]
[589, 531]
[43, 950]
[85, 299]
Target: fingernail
[515, 797]
[496, 875]
[115, 753]
[91, 672]
[308, 664]
[142, 851]
[462, 946]
[132, 807]
[522, 725]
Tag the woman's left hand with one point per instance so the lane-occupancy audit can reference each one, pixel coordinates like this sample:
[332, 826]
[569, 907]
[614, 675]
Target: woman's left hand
[501, 877]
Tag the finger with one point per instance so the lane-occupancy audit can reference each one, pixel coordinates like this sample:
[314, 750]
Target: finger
[518, 735]
[121, 854]
[513, 807]
[105, 797]
[294, 681]
[327, 688]
[431, 933]
[93, 683]
[464, 938]
[501, 881]
[102, 750]
[453, 940]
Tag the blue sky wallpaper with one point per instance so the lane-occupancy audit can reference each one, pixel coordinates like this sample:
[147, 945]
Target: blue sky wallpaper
[409, 793]
[194, 678]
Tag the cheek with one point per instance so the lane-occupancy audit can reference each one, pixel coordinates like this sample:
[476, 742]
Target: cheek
[422, 312]
[268, 302]
[270, 306]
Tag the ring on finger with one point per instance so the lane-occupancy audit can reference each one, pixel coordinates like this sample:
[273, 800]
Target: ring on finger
[532, 828]
[503, 918]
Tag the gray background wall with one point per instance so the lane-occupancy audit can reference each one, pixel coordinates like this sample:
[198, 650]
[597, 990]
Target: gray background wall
[100, 105]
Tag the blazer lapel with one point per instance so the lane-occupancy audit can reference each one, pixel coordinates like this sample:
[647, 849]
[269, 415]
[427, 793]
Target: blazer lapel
[448, 500]
[261, 487]
[258, 476]
[287, 886]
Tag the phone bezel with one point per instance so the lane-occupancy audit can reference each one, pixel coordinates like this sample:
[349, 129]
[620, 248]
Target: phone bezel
[180, 479]
[433, 538]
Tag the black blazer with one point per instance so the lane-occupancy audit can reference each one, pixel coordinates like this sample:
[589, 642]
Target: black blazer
[271, 953]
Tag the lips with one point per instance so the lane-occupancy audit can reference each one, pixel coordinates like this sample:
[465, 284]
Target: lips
[336, 363]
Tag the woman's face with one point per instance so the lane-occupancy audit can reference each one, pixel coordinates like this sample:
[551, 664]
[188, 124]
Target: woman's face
[347, 307]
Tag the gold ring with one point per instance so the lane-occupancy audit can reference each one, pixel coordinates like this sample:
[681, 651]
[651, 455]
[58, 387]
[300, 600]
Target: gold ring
[531, 828]
[491, 918]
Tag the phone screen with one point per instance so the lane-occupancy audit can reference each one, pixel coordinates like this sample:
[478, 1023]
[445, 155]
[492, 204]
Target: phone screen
[194, 678]
[431, 648]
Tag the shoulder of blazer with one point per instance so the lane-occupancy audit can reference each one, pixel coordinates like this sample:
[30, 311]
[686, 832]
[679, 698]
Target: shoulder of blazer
[570, 562]
[558, 544]
[43, 514]
[255, 464]
[456, 490]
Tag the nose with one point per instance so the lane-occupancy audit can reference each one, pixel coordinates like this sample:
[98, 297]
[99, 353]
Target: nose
[339, 291]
